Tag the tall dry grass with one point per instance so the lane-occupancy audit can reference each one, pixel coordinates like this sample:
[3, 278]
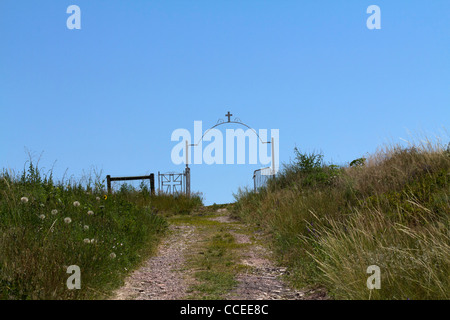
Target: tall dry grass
[330, 223]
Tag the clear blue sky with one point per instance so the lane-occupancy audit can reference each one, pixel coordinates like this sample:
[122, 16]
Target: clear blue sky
[109, 95]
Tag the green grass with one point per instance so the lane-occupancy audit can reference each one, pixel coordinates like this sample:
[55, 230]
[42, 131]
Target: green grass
[215, 260]
[46, 227]
[196, 219]
[218, 264]
[329, 223]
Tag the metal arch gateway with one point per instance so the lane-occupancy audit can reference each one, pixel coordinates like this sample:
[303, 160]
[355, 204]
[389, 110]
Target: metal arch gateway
[220, 122]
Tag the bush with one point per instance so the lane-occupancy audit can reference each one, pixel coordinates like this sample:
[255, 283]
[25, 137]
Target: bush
[307, 170]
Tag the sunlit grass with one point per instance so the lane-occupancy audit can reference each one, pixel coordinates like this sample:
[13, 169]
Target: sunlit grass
[330, 223]
[215, 261]
[47, 226]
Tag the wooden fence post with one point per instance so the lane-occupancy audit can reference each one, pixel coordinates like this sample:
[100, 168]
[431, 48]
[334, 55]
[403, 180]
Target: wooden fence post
[152, 184]
[108, 183]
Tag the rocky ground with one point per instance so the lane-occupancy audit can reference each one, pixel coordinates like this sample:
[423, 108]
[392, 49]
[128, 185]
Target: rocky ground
[162, 277]
[167, 275]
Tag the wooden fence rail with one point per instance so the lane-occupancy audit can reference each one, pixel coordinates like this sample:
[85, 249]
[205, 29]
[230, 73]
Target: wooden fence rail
[151, 177]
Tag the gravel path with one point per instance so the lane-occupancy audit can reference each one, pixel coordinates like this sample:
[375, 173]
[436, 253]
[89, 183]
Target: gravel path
[262, 279]
[165, 277]
[162, 277]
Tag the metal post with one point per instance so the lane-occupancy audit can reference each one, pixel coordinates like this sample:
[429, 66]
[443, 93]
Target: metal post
[273, 157]
[188, 181]
[187, 154]
[187, 173]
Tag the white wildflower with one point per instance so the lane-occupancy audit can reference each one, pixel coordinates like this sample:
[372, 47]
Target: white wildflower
[24, 199]
[87, 240]
[67, 220]
[112, 255]
[42, 217]
[97, 198]
[86, 227]
[54, 212]
[76, 203]
[90, 212]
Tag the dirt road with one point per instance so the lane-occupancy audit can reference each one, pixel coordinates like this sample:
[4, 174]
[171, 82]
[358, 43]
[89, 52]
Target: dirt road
[173, 273]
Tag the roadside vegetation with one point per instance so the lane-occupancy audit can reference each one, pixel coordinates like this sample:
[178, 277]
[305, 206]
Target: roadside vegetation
[47, 226]
[330, 223]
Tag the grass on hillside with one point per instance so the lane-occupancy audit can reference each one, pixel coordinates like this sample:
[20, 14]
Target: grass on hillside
[330, 223]
[45, 227]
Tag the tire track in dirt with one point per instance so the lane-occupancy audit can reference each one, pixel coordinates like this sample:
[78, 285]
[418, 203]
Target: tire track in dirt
[262, 280]
[163, 276]
[166, 277]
